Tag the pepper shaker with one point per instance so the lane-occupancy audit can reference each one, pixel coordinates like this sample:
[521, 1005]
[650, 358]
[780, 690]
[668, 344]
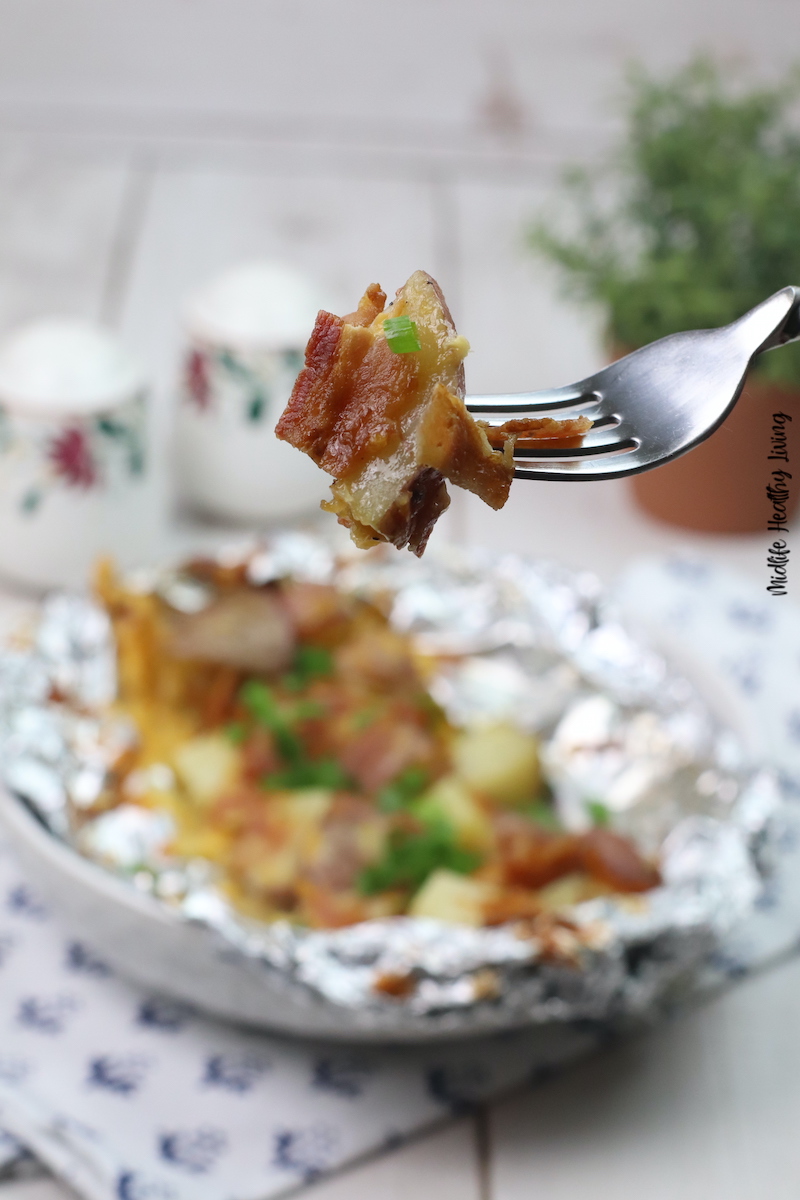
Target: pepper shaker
[73, 455]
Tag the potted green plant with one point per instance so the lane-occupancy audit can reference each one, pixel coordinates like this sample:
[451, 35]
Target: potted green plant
[693, 222]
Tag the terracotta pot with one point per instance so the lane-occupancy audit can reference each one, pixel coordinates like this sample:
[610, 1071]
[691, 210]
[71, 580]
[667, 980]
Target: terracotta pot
[721, 486]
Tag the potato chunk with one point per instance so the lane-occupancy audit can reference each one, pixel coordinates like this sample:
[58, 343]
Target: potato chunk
[447, 896]
[453, 801]
[206, 765]
[499, 761]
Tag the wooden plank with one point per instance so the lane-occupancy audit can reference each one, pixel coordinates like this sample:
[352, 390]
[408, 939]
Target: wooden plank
[705, 1109]
[58, 221]
[164, 66]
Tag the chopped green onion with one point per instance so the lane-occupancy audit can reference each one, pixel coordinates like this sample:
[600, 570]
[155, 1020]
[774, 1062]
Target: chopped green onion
[288, 744]
[405, 788]
[236, 733]
[600, 814]
[306, 710]
[279, 719]
[263, 706]
[310, 662]
[411, 857]
[260, 702]
[323, 774]
[401, 335]
[365, 718]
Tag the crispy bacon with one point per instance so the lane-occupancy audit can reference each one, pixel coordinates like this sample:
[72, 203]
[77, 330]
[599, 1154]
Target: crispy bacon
[341, 856]
[324, 909]
[259, 755]
[242, 628]
[392, 427]
[370, 306]
[317, 612]
[527, 431]
[384, 750]
[395, 985]
[349, 398]
[208, 570]
[511, 904]
[377, 659]
[616, 861]
[219, 699]
[532, 857]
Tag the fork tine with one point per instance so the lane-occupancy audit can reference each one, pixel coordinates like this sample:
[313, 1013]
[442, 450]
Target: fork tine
[534, 403]
[672, 393]
[611, 466]
[588, 450]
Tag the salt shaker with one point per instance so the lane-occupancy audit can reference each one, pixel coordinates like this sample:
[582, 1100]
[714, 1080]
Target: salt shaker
[73, 455]
[246, 333]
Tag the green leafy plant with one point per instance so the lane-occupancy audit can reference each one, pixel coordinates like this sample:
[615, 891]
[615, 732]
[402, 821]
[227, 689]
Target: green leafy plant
[696, 219]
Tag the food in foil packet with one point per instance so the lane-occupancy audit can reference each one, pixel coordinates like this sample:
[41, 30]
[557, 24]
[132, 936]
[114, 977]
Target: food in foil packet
[288, 731]
[439, 797]
[380, 406]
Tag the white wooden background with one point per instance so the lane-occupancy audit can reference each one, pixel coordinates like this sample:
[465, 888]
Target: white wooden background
[146, 144]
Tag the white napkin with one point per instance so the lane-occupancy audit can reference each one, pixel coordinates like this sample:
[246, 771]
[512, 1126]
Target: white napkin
[129, 1096]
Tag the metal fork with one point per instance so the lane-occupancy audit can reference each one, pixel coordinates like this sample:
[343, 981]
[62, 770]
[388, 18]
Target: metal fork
[654, 404]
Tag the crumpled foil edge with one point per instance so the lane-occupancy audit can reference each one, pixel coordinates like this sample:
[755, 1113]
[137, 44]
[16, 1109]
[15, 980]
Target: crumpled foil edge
[516, 624]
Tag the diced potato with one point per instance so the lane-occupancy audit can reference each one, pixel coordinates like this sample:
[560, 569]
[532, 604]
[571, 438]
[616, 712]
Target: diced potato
[499, 761]
[386, 904]
[206, 765]
[447, 896]
[274, 868]
[301, 814]
[171, 802]
[201, 843]
[303, 807]
[451, 799]
[371, 838]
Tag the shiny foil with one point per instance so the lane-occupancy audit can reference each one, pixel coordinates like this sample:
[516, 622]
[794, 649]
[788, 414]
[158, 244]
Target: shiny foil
[529, 641]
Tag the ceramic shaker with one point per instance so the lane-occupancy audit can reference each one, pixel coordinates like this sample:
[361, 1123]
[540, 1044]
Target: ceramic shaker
[247, 332]
[73, 462]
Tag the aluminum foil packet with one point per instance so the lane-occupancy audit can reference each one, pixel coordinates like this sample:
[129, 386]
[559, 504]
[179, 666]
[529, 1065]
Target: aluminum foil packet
[523, 640]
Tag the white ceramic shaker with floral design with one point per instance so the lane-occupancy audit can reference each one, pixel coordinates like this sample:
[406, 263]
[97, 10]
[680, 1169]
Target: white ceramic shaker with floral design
[247, 332]
[73, 463]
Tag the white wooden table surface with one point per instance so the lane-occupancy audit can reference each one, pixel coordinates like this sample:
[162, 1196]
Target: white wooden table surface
[120, 189]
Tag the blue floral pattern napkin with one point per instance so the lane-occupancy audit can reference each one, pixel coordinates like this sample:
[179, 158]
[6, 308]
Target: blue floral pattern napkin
[131, 1096]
